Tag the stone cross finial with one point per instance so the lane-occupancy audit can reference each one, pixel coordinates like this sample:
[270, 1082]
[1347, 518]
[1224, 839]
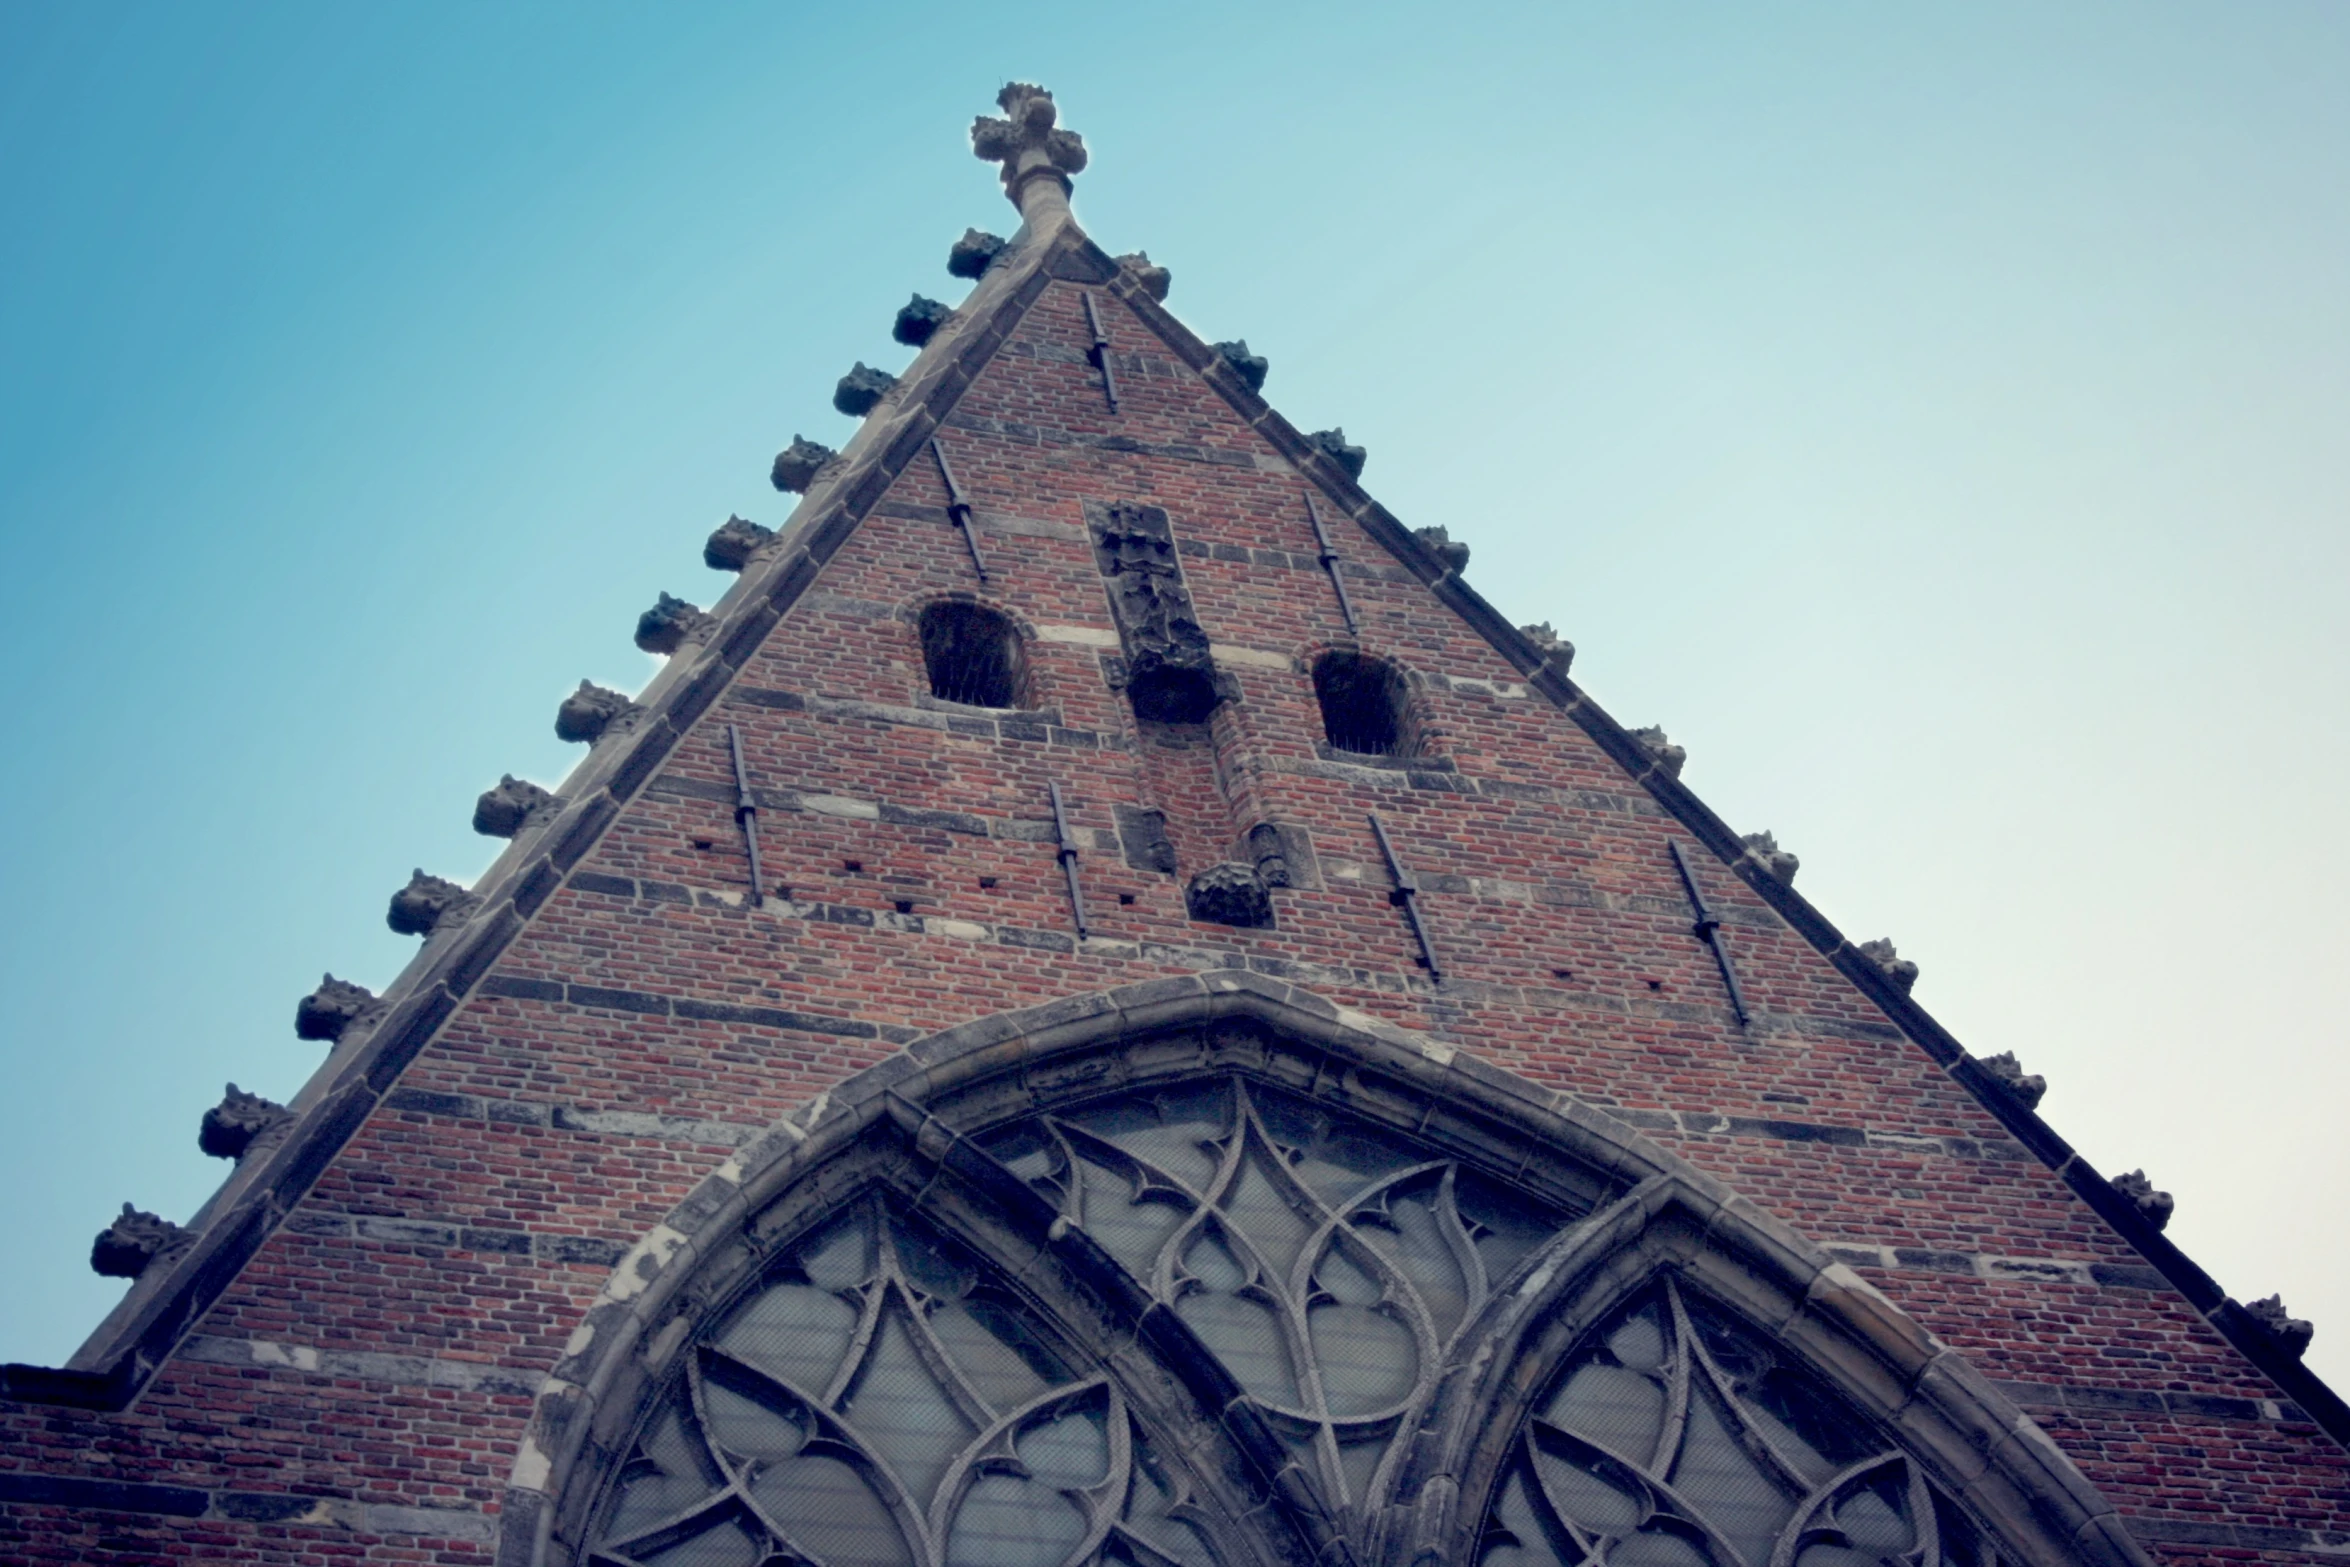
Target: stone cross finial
[1037, 156]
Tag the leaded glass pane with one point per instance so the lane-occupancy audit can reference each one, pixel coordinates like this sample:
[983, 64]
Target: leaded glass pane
[1675, 1434]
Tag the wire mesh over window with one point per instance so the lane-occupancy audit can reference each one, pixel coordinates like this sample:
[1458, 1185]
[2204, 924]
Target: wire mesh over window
[1329, 1265]
[882, 1401]
[973, 655]
[1363, 705]
[1675, 1437]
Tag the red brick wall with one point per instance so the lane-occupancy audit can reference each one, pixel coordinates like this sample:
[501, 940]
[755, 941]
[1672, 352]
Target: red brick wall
[440, 1265]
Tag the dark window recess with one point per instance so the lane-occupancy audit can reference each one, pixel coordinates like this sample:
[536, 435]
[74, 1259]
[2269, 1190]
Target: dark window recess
[973, 655]
[1362, 705]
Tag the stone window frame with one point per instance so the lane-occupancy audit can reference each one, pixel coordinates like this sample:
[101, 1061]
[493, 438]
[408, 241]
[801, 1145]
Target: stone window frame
[1026, 697]
[910, 1120]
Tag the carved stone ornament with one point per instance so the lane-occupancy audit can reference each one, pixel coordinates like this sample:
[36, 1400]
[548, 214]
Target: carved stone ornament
[328, 1012]
[1170, 676]
[1783, 865]
[127, 1247]
[2291, 1333]
[1898, 969]
[2009, 1075]
[973, 253]
[419, 908]
[1251, 368]
[239, 1121]
[1152, 279]
[1027, 142]
[1556, 650]
[1332, 444]
[1668, 756]
[589, 711]
[733, 542]
[1265, 847]
[506, 810]
[862, 389]
[2153, 1206]
[1229, 894]
[670, 624]
[798, 466]
[1455, 555]
[919, 320]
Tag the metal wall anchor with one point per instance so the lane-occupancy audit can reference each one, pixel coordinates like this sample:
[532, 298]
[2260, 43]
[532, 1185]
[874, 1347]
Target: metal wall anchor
[1068, 859]
[746, 815]
[959, 508]
[1330, 564]
[1406, 897]
[1709, 930]
[1101, 352]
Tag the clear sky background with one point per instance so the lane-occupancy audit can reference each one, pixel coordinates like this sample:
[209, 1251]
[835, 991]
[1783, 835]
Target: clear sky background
[1934, 416]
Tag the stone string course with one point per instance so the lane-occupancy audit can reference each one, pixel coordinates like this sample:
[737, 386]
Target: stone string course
[613, 1024]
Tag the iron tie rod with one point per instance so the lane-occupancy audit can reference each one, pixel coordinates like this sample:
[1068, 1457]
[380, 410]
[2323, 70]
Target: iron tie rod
[1709, 930]
[1406, 897]
[746, 815]
[1068, 859]
[959, 508]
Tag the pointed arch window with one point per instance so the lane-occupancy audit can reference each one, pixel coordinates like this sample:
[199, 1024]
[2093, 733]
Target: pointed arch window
[1226, 1317]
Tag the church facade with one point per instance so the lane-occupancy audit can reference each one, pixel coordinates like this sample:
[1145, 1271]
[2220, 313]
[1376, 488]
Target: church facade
[1104, 1007]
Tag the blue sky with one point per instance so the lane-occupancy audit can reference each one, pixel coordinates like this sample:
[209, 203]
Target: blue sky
[1934, 416]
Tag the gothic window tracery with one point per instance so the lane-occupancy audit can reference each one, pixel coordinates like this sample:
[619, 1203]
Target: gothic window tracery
[1675, 1437]
[899, 1388]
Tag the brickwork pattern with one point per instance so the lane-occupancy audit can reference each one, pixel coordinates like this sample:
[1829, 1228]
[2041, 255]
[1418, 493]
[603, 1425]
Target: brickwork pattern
[359, 1392]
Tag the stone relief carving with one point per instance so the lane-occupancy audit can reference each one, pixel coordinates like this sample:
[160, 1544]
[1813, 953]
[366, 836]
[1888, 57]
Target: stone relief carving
[1765, 850]
[798, 466]
[129, 1246]
[422, 906]
[232, 1127]
[1898, 969]
[919, 319]
[1229, 894]
[590, 712]
[670, 624]
[1170, 676]
[971, 255]
[328, 1012]
[505, 810]
[1668, 756]
[2153, 1206]
[1251, 368]
[2009, 1075]
[862, 389]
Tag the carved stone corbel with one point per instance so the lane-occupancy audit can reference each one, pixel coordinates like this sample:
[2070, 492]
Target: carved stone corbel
[129, 1246]
[670, 624]
[1153, 280]
[974, 253]
[1229, 894]
[328, 1012]
[591, 712]
[2292, 1334]
[2010, 1076]
[733, 542]
[919, 319]
[240, 1122]
[798, 466]
[505, 810]
[425, 904]
[1764, 850]
[2153, 1206]
[1333, 445]
[1251, 368]
[1558, 654]
[1667, 755]
[862, 389]
[1898, 969]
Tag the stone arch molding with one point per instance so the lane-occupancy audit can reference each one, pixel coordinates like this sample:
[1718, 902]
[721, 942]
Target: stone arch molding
[916, 1129]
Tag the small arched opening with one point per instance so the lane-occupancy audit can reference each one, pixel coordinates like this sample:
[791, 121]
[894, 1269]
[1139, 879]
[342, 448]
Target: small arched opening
[1365, 709]
[972, 654]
